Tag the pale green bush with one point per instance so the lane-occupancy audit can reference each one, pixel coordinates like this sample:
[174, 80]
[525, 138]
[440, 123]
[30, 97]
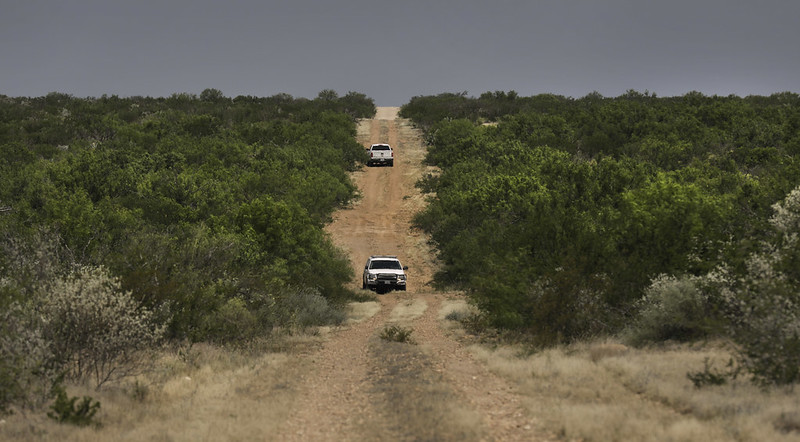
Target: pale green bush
[763, 308]
[95, 329]
[232, 322]
[672, 308]
[764, 303]
[306, 307]
[761, 304]
[26, 369]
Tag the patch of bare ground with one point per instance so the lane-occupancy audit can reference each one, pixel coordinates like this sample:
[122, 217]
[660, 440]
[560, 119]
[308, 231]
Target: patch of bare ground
[415, 399]
[484, 405]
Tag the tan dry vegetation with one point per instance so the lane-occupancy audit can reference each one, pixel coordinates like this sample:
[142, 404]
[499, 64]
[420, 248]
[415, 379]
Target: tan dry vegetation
[199, 393]
[360, 311]
[606, 391]
[408, 310]
[456, 305]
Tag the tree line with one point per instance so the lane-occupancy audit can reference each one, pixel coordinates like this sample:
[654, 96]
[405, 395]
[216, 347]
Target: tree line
[567, 218]
[191, 217]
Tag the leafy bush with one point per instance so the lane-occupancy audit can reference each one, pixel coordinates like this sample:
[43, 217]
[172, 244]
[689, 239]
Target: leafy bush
[763, 303]
[94, 329]
[764, 312]
[26, 369]
[203, 208]
[174, 195]
[306, 307]
[556, 219]
[673, 308]
[231, 322]
[68, 410]
[395, 333]
[759, 302]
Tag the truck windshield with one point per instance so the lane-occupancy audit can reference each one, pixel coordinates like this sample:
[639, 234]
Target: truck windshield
[393, 265]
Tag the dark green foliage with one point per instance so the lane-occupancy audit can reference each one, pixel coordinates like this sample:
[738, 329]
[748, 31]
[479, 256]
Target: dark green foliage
[556, 219]
[68, 410]
[203, 207]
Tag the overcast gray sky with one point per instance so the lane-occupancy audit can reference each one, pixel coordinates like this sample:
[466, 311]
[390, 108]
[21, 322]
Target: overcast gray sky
[394, 50]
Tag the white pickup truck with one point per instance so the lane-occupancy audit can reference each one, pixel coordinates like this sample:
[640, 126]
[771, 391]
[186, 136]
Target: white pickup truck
[383, 273]
[380, 154]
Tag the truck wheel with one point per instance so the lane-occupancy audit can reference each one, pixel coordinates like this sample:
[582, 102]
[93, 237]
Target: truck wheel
[391, 163]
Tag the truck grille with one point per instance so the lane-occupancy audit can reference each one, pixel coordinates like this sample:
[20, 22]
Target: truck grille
[387, 277]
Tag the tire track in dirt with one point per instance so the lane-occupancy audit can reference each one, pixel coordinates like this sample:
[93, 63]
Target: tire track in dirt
[360, 387]
[334, 404]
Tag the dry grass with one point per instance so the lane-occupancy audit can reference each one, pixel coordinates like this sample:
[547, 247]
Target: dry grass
[599, 390]
[606, 391]
[202, 393]
[458, 306]
[361, 311]
[408, 310]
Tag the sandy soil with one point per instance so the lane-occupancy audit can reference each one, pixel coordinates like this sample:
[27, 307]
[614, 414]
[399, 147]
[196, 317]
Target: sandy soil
[360, 387]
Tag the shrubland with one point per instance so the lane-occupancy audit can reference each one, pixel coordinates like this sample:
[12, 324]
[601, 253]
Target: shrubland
[130, 222]
[655, 218]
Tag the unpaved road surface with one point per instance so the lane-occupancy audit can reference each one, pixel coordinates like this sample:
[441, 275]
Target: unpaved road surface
[357, 386]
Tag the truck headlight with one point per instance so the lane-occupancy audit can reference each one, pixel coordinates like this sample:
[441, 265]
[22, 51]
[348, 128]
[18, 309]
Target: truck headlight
[401, 277]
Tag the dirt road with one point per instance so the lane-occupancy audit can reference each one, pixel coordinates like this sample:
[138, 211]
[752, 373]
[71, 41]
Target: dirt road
[360, 387]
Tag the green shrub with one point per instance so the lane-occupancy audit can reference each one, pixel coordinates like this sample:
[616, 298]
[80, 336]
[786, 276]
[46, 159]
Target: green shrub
[763, 303]
[672, 308]
[759, 302]
[764, 313]
[395, 333]
[592, 198]
[68, 410]
[231, 322]
[306, 307]
[26, 371]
